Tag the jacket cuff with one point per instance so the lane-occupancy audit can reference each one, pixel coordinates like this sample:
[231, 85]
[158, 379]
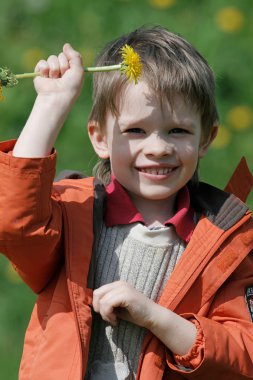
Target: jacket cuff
[195, 356]
[33, 165]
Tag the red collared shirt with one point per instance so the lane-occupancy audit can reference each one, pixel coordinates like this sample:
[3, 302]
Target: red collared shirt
[120, 209]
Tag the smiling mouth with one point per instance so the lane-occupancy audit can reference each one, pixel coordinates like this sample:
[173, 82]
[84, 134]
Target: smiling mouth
[156, 171]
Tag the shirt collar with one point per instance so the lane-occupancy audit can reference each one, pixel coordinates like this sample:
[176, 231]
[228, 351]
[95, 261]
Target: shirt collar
[120, 209]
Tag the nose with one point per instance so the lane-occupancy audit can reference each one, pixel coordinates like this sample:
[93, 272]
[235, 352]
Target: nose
[157, 146]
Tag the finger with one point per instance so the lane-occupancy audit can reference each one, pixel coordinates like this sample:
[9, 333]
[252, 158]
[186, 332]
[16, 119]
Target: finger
[112, 299]
[107, 309]
[54, 66]
[99, 293]
[74, 57]
[42, 67]
[112, 285]
[109, 315]
[63, 62]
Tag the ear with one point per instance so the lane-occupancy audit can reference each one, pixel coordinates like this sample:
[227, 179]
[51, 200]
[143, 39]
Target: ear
[203, 148]
[98, 139]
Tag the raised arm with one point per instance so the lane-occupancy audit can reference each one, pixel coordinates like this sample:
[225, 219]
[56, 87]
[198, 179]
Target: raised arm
[31, 211]
[58, 87]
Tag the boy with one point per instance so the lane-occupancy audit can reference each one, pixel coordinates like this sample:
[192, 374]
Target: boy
[170, 256]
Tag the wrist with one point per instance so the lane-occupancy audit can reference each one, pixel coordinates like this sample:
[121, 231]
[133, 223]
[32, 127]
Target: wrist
[153, 320]
[158, 315]
[177, 333]
[57, 102]
[42, 127]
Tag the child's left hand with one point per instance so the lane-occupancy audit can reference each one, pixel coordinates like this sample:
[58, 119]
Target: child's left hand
[121, 300]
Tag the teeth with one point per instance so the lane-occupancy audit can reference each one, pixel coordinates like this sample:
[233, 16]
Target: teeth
[155, 171]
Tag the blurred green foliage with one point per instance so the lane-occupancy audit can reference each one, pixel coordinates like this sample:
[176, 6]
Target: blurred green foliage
[222, 31]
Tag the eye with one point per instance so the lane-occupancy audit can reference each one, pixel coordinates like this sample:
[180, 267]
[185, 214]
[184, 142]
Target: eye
[134, 130]
[178, 130]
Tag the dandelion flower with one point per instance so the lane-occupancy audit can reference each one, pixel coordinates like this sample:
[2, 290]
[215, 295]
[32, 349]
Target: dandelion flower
[131, 65]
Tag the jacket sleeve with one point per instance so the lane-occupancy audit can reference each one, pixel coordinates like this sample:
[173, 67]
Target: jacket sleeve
[224, 344]
[31, 217]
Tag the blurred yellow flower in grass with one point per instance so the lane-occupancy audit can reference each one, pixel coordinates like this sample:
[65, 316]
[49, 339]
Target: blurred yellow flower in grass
[162, 4]
[240, 117]
[1, 93]
[230, 19]
[223, 138]
[30, 58]
[11, 274]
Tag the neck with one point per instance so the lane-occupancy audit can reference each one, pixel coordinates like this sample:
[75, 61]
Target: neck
[155, 211]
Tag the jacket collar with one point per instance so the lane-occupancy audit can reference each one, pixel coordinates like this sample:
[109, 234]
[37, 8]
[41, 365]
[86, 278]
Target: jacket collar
[221, 208]
[121, 210]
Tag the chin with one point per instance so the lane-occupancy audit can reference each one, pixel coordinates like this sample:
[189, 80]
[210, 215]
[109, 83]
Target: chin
[158, 197]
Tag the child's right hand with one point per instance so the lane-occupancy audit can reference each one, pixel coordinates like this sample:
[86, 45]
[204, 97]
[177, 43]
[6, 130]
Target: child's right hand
[58, 87]
[61, 75]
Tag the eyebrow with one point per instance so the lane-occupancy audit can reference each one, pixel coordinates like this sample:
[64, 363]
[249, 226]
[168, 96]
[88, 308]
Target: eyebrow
[184, 123]
[130, 122]
[175, 124]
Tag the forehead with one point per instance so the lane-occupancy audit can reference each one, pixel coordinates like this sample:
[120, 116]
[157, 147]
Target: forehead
[139, 102]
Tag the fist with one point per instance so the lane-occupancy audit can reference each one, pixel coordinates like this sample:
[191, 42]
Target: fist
[121, 300]
[60, 75]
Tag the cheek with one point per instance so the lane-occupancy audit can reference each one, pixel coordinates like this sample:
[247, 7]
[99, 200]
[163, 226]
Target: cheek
[119, 154]
[120, 159]
[189, 153]
[122, 150]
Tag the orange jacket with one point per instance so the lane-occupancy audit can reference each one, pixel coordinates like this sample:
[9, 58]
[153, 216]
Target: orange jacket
[47, 233]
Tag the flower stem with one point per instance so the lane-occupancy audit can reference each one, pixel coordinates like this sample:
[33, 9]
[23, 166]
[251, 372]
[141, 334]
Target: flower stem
[87, 69]
[27, 75]
[103, 68]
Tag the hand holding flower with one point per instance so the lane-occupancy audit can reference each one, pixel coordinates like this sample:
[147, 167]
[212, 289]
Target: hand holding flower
[60, 75]
[130, 66]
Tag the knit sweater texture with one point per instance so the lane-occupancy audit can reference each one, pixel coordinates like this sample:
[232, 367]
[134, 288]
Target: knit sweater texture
[145, 258]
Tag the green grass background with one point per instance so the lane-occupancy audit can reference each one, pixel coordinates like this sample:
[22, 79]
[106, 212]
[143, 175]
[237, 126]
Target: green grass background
[33, 29]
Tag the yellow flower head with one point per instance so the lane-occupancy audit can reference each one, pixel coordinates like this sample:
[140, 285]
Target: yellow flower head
[131, 65]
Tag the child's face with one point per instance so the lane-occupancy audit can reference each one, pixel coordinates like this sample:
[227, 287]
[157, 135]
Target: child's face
[153, 152]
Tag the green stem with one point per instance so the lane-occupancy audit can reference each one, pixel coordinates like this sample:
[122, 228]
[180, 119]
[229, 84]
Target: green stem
[103, 68]
[87, 69]
[27, 75]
